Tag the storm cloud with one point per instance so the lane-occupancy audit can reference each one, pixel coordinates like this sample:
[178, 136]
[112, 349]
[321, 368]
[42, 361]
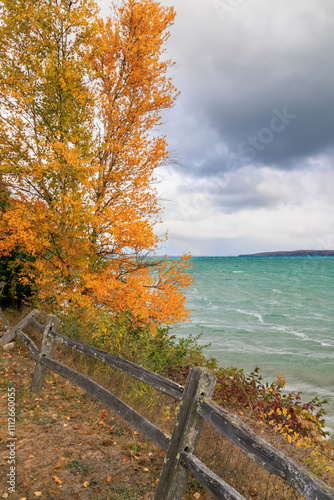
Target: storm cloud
[234, 71]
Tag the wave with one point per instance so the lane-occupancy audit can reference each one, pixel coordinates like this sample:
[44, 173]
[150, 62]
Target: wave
[251, 313]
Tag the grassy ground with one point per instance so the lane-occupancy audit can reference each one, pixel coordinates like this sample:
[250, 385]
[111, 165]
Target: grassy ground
[70, 446]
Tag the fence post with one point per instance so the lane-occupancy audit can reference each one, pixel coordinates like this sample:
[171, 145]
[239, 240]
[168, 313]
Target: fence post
[45, 350]
[186, 434]
[2, 316]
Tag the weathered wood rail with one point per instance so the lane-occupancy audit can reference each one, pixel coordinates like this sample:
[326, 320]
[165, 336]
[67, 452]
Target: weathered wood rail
[196, 406]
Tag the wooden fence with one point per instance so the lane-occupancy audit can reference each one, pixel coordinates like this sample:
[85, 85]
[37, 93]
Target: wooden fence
[195, 407]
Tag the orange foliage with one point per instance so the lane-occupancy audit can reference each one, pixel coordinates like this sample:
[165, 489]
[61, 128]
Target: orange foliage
[79, 100]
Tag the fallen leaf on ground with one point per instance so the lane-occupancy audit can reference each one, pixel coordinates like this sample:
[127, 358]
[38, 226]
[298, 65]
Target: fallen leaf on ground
[86, 483]
[56, 478]
[125, 459]
[109, 479]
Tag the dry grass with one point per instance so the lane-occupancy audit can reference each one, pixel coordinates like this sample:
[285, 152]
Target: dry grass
[68, 445]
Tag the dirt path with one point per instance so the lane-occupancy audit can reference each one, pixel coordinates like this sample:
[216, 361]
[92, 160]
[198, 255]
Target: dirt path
[67, 445]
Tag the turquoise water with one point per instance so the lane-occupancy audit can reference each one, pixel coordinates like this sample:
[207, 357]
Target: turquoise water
[276, 313]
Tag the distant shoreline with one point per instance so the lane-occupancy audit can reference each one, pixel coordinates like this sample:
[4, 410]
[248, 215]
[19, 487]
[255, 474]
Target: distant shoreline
[294, 253]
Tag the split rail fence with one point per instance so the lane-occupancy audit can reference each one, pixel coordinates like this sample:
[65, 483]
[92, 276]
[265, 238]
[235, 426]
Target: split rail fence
[195, 407]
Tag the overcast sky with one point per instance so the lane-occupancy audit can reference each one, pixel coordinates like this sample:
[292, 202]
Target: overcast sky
[253, 128]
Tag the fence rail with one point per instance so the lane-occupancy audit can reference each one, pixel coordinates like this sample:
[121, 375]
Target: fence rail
[195, 408]
[157, 381]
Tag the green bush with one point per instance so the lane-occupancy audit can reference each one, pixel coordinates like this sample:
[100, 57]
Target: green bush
[16, 293]
[12, 267]
[160, 353]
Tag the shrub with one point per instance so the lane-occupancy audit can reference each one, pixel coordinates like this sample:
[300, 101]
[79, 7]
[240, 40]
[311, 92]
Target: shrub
[12, 268]
[269, 402]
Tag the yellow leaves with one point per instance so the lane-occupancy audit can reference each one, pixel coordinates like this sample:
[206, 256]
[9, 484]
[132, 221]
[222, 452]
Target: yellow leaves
[84, 159]
[56, 479]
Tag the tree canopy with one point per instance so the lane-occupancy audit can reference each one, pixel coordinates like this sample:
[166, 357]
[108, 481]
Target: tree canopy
[80, 100]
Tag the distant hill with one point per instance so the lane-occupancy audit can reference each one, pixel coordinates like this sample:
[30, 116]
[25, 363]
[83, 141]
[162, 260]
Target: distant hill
[294, 253]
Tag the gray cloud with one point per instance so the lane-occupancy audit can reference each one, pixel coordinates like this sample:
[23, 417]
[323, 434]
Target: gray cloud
[232, 73]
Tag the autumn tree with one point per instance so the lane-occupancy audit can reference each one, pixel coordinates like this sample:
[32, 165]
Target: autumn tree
[80, 100]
